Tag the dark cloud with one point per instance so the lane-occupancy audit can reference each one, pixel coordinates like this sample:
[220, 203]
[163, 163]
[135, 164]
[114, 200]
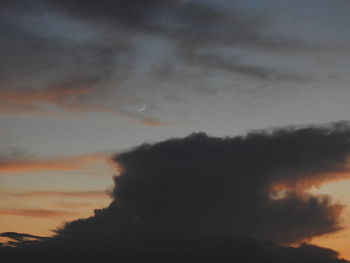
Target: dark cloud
[254, 185]
[184, 249]
[106, 47]
[51, 67]
[235, 65]
[9, 153]
[184, 21]
[226, 185]
[203, 197]
[192, 23]
[116, 52]
[190, 26]
[29, 55]
[45, 70]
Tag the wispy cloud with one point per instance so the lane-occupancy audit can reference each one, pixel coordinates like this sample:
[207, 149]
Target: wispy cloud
[36, 194]
[20, 236]
[75, 97]
[37, 213]
[73, 163]
[75, 205]
[80, 62]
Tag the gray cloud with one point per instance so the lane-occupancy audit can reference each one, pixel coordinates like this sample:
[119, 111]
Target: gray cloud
[55, 74]
[226, 185]
[254, 185]
[110, 32]
[235, 65]
[116, 51]
[190, 26]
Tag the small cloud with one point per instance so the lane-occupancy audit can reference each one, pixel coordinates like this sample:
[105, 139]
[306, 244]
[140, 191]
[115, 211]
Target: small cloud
[20, 236]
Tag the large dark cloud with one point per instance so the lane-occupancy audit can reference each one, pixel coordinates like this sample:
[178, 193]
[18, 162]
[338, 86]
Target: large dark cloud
[254, 185]
[228, 185]
[206, 197]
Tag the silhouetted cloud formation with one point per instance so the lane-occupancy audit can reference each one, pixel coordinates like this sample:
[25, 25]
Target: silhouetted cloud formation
[228, 185]
[203, 197]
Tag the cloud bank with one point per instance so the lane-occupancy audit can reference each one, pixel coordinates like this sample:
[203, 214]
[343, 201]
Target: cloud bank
[68, 57]
[203, 197]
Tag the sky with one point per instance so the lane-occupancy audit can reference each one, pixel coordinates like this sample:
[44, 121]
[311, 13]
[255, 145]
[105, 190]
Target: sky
[98, 98]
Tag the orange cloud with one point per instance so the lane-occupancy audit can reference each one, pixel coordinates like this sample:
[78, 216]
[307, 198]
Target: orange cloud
[37, 213]
[75, 205]
[315, 181]
[71, 96]
[82, 194]
[55, 94]
[59, 164]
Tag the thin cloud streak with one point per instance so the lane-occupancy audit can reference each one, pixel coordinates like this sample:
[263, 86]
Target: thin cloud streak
[20, 236]
[37, 213]
[61, 101]
[59, 164]
[75, 205]
[76, 194]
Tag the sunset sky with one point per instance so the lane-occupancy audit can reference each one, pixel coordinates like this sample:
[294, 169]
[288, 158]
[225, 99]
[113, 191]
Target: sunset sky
[74, 75]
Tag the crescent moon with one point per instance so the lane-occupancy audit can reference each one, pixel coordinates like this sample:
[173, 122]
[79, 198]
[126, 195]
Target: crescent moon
[142, 108]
